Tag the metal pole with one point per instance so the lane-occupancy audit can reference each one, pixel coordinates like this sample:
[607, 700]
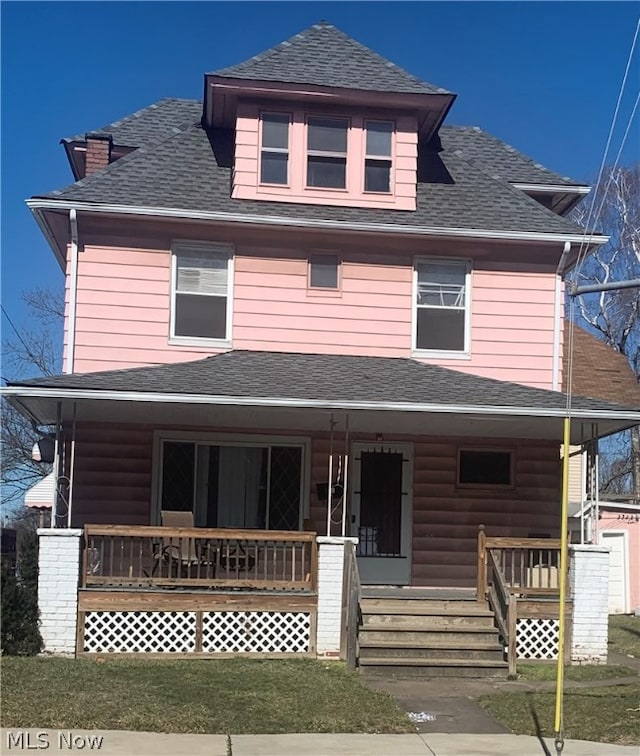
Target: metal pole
[345, 477]
[72, 464]
[56, 465]
[575, 291]
[330, 485]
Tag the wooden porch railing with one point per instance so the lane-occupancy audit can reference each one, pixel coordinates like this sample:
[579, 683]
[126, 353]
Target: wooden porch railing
[148, 556]
[520, 578]
[351, 595]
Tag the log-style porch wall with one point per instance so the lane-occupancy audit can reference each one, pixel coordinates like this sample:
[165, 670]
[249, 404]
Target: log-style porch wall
[113, 473]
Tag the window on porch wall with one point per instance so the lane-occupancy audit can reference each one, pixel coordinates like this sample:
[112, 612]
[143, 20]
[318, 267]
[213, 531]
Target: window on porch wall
[233, 486]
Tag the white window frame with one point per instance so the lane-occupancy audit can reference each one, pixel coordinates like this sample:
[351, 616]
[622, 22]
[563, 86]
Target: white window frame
[325, 253]
[228, 439]
[217, 248]
[449, 354]
[280, 150]
[388, 158]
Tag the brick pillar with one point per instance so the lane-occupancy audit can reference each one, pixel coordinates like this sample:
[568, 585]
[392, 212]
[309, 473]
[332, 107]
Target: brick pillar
[330, 599]
[59, 571]
[98, 153]
[590, 584]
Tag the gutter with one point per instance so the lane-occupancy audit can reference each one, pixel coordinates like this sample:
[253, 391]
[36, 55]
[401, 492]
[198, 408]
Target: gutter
[310, 223]
[73, 292]
[37, 392]
[557, 320]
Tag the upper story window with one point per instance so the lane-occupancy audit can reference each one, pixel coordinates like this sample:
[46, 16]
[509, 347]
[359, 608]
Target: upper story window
[327, 152]
[377, 163]
[324, 271]
[274, 153]
[442, 306]
[201, 292]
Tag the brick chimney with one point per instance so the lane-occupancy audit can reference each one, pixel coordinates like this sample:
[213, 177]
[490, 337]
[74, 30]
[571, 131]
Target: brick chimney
[98, 152]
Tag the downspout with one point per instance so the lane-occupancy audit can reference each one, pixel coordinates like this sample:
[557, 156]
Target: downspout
[73, 291]
[557, 318]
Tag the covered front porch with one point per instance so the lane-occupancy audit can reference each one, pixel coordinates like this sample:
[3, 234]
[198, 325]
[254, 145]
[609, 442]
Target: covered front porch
[407, 459]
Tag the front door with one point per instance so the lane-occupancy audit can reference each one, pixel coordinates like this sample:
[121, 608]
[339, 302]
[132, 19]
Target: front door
[381, 512]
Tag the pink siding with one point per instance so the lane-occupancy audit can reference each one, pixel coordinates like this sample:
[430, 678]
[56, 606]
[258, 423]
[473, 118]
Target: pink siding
[624, 520]
[247, 164]
[123, 307]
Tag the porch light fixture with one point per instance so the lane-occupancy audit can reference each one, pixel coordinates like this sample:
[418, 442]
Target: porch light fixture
[44, 449]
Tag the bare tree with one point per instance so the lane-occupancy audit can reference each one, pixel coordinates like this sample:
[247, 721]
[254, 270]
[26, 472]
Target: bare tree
[29, 351]
[614, 316]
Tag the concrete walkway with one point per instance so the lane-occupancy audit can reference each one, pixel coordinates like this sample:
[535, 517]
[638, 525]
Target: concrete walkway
[111, 743]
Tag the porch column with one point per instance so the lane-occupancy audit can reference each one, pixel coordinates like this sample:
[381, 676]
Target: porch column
[330, 598]
[590, 593]
[58, 574]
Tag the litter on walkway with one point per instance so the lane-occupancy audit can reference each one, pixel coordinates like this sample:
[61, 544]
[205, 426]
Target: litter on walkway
[421, 716]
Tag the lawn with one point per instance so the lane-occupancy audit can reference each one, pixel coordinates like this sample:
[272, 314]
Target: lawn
[606, 715]
[198, 696]
[624, 634]
[546, 671]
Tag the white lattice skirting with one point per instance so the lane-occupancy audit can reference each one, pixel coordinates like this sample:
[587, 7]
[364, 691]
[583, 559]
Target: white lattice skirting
[537, 638]
[176, 632]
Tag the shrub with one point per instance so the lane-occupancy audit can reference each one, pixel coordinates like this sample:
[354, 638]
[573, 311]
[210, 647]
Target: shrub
[20, 633]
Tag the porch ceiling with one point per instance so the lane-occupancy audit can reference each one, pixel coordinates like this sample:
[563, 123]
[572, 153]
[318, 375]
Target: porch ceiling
[501, 423]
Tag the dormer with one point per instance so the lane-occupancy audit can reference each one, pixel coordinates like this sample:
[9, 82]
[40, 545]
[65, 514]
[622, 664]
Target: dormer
[321, 119]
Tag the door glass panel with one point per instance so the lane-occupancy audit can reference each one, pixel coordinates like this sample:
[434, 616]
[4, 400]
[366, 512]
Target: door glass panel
[178, 465]
[284, 487]
[380, 504]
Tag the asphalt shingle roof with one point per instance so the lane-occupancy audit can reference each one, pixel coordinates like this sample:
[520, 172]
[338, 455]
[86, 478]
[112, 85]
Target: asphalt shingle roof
[191, 170]
[326, 56]
[150, 124]
[497, 158]
[331, 378]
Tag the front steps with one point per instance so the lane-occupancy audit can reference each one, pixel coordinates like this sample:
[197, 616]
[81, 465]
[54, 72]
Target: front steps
[417, 634]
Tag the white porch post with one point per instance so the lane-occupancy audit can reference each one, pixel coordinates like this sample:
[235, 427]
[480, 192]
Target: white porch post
[58, 574]
[330, 598]
[590, 593]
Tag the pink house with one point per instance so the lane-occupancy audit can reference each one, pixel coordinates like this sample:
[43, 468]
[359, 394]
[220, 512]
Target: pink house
[303, 311]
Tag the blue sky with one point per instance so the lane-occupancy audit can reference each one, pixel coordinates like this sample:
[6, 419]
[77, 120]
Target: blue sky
[542, 76]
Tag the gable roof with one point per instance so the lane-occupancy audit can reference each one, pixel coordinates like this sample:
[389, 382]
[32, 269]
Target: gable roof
[191, 170]
[325, 56]
[151, 124]
[599, 370]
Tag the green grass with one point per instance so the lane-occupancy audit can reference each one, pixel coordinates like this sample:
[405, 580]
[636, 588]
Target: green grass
[543, 671]
[624, 634]
[605, 715]
[199, 696]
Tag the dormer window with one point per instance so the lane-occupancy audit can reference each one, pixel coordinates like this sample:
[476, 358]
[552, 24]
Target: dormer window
[377, 163]
[274, 155]
[327, 152]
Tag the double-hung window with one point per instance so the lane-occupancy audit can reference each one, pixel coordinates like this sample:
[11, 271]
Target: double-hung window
[201, 292]
[274, 152]
[327, 152]
[377, 162]
[442, 304]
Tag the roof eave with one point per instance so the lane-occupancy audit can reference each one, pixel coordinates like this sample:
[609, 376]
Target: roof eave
[46, 203]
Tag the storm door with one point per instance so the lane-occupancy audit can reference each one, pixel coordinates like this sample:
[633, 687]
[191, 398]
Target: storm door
[381, 509]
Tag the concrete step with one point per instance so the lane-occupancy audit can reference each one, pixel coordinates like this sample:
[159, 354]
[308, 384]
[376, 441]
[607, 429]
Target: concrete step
[423, 606]
[425, 667]
[395, 650]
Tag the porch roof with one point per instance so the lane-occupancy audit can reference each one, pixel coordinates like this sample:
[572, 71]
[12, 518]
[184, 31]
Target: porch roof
[254, 389]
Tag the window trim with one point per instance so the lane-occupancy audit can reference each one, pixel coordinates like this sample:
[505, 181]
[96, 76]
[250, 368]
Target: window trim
[486, 486]
[326, 153]
[218, 248]
[228, 439]
[449, 354]
[337, 289]
[279, 150]
[390, 159]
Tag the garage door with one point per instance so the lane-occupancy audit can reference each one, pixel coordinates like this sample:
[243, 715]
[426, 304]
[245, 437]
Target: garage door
[618, 571]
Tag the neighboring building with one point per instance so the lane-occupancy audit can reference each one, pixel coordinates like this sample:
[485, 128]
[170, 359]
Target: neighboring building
[602, 372]
[309, 301]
